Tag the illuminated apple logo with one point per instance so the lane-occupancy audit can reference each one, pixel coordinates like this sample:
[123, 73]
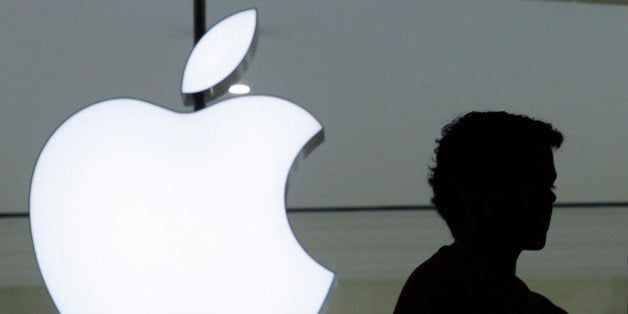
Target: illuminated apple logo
[138, 209]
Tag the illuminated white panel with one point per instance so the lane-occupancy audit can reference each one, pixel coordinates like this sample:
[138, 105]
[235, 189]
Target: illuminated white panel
[219, 52]
[138, 209]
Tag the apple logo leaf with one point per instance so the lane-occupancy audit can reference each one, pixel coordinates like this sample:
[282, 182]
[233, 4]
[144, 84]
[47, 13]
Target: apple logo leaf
[221, 56]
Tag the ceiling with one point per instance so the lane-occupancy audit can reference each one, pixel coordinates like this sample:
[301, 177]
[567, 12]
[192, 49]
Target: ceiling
[382, 77]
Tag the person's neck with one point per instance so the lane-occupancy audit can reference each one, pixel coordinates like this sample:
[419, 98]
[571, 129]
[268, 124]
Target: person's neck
[499, 259]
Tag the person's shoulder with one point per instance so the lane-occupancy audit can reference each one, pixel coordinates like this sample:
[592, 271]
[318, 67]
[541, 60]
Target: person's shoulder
[544, 305]
[431, 285]
[540, 302]
[436, 269]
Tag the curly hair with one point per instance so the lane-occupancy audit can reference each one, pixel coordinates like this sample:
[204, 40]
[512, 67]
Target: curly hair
[469, 151]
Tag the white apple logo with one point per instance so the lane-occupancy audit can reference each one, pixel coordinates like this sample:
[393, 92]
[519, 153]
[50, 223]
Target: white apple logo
[138, 209]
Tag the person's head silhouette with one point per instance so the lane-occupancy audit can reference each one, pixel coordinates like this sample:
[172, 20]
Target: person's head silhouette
[493, 179]
[493, 183]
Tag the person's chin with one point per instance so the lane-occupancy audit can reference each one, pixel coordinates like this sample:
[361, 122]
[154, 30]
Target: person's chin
[536, 244]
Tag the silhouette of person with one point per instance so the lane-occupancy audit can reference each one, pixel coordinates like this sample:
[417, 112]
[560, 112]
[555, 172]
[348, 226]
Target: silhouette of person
[493, 185]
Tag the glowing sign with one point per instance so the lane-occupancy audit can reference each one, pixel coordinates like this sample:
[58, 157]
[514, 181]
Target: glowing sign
[138, 209]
